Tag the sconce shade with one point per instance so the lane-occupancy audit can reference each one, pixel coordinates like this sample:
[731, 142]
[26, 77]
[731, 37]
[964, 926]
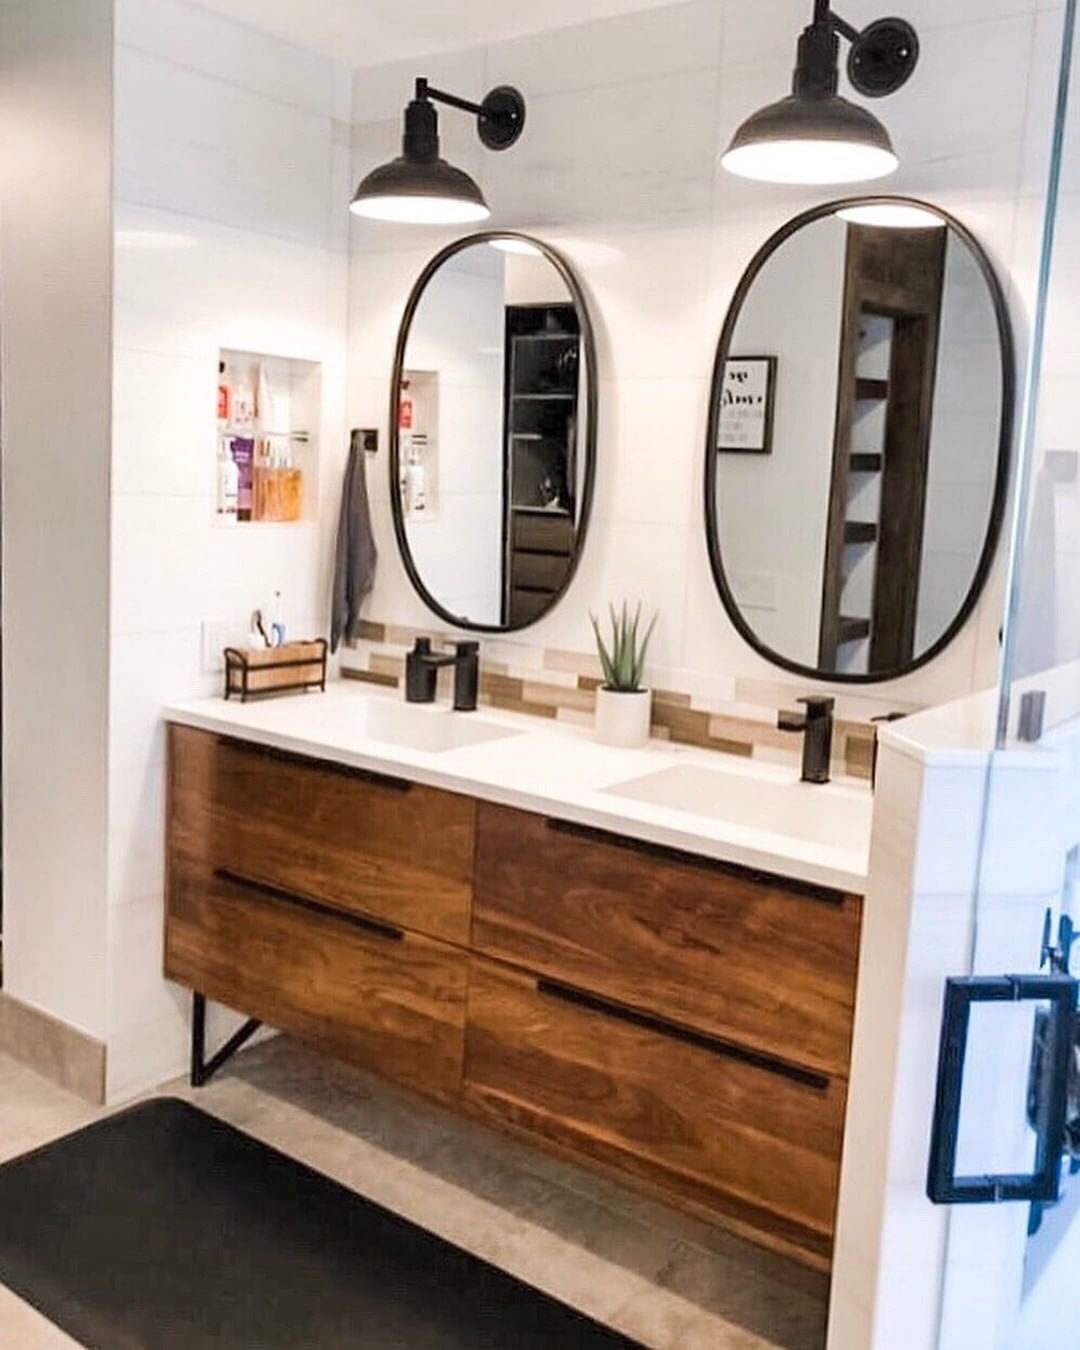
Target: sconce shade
[811, 139]
[424, 192]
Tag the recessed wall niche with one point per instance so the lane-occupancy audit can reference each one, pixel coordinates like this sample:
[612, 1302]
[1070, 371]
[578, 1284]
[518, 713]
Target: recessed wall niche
[268, 416]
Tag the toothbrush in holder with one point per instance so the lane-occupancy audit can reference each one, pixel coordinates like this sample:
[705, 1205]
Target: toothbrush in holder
[277, 623]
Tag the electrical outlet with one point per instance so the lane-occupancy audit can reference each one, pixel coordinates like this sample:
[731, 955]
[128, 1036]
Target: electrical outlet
[755, 590]
[217, 634]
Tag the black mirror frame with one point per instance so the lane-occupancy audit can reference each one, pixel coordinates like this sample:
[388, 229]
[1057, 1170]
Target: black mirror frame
[577, 295]
[1004, 457]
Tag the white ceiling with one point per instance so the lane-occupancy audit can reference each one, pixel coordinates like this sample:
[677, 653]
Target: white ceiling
[369, 32]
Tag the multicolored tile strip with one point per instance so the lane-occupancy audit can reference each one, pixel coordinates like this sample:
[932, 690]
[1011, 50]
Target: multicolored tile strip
[732, 715]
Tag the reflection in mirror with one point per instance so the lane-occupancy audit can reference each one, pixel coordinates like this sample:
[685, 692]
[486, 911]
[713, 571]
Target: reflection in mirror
[859, 439]
[493, 459]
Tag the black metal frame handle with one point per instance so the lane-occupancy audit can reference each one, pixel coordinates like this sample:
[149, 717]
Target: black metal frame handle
[943, 1186]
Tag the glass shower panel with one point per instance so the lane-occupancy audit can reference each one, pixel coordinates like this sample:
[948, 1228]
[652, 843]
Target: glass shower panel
[1012, 1274]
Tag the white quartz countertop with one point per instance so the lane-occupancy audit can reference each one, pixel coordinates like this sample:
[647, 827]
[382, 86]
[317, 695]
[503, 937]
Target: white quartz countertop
[730, 809]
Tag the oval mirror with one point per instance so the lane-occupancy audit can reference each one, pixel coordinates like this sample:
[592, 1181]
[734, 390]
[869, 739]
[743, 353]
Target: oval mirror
[493, 431]
[860, 428]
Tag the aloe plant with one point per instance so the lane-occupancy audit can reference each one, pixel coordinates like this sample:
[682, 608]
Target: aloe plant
[623, 661]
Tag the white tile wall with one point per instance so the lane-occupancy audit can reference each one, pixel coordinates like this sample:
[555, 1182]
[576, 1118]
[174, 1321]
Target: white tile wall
[618, 169]
[232, 167]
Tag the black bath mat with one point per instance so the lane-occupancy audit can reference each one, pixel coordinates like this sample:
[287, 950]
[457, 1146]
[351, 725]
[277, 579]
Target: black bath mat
[162, 1228]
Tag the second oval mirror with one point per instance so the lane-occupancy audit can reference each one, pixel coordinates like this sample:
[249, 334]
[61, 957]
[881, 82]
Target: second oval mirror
[859, 439]
[493, 431]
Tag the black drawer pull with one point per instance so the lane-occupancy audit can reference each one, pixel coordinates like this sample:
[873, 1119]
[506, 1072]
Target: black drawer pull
[375, 779]
[714, 1045]
[375, 927]
[665, 853]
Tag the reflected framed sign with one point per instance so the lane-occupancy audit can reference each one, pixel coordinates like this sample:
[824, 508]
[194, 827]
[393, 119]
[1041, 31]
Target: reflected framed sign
[746, 405]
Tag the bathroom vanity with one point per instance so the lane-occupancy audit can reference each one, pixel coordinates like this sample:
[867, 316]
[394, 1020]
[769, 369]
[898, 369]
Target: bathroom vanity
[592, 969]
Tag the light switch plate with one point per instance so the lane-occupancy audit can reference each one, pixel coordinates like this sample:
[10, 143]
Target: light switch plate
[755, 590]
[217, 634]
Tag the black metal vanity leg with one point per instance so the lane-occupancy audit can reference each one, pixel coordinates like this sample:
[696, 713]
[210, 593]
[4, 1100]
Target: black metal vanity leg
[198, 1040]
[203, 1069]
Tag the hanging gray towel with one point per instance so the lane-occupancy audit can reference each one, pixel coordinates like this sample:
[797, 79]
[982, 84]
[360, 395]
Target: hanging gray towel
[355, 559]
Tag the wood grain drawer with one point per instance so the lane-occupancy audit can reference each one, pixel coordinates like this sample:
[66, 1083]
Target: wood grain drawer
[759, 1148]
[750, 959]
[363, 843]
[366, 992]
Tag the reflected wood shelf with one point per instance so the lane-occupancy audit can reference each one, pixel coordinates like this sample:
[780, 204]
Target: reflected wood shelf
[852, 629]
[860, 532]
[867, 463]
[866, 390]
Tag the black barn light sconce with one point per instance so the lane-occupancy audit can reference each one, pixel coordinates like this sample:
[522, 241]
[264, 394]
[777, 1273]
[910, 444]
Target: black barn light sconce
[815, 135]
[421, 188]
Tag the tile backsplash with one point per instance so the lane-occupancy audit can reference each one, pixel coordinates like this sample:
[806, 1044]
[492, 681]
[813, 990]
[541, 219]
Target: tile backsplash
[735, 716]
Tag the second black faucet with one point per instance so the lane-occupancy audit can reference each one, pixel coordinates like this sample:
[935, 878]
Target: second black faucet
[422, 667]
[816, 724]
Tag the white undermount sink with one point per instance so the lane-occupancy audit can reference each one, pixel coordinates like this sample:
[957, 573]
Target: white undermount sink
[432, 729]
[833, 816]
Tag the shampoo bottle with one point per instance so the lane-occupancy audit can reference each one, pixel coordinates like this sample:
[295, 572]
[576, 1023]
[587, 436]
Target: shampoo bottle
[228, 482]
[243, 405]
[415, 480]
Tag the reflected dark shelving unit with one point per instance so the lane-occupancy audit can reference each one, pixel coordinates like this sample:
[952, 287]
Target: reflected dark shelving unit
[852, 629]
[543, 355]
[893, 281]
[860, 531]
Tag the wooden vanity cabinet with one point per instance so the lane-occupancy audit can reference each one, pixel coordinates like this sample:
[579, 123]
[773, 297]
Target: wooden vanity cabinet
[682, 1024]
[725, 1132]
[364, 842]
[328, 902]
[764, 962]
[364, 991]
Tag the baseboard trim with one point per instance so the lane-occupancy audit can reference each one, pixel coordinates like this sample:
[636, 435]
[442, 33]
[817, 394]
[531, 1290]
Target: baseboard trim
[66, 1056]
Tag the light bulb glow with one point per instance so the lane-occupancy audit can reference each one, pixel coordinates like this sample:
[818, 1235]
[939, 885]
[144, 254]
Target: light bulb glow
[520, 246]
[419, 210]
[892, 215]
[805, 162]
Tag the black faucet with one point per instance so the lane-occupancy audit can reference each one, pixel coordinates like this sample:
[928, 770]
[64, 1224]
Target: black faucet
[422, 667]
[817, 725]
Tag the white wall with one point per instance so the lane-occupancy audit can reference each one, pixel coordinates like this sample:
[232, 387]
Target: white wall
[618, 168]
[55, 266]
[459, 333]
[232, 186]
[773, 510]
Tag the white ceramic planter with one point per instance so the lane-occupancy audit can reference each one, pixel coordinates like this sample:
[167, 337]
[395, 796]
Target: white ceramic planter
[623, 719]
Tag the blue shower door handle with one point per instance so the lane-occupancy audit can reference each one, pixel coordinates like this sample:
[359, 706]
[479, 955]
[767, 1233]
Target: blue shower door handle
[943, 1186]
